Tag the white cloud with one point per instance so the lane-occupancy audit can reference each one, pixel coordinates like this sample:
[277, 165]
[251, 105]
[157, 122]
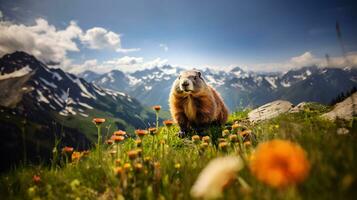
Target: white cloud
[100, 38]
[126, 64]
[127, 50]
[50, 44]
[41, 40]
[307, 59]
[164, 47]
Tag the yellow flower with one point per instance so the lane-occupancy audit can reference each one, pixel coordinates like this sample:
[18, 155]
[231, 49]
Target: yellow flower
[233, 138]
[195, 138]
[216, 176]
[206, 139]
[235, 126]
[280, 163]
[225, 133]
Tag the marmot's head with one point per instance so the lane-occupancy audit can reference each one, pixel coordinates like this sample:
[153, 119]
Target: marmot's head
[189, 81]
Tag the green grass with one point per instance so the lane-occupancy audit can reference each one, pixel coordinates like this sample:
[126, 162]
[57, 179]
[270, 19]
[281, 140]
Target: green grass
[333, 173]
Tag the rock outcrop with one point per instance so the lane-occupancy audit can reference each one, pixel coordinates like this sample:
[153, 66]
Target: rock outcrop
[269, 110]
[346, 109]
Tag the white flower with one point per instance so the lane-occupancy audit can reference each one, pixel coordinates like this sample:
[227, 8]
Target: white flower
[215, 176]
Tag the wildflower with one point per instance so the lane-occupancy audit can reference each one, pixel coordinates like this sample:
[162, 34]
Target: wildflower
[206, 139]
[117, 162]
[157, 108]
[76, 156]
[113, 153]
[67, 150]
[119, 133]
[98, 121]
[140, 133]
[36, 179]
[117, 139]
[109, 142]
[204, 145]
[127, 166]
[215, 177]
[221, 140]
[223, 145]
[74, 184]
[138, 167]
[168, 123]
[162, 142]
[118, 171]
[280, 163]
[225, 133]
[147, 159]
[233, 138]
[139, 152]
[235, 126]
[132, 154]
[195, 138]
[85, 153]
[177, 166]
[152, 131]
[245, 133]
[138, 143]
[247, 144]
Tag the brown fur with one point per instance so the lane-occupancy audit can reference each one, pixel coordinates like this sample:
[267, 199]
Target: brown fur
[203, 106]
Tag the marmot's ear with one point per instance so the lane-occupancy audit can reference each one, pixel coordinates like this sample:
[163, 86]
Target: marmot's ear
[199, 74]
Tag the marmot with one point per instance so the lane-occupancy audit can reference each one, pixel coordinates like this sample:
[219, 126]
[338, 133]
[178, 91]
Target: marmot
[194, 104]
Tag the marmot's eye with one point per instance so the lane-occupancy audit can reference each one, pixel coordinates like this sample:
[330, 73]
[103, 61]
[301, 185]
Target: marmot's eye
[179, 77]
[195, 77]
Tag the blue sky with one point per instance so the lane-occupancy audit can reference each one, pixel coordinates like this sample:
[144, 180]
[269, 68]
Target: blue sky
[258, 35]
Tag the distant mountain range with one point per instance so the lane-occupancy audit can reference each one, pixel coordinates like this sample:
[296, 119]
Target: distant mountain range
[41, 103]
[239, 88]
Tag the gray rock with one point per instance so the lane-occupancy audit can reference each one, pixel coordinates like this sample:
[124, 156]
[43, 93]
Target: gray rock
[346, 109]
[300, 107]
[269, 110]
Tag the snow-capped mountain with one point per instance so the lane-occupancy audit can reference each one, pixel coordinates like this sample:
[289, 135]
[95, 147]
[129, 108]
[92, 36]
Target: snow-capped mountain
[239, 88]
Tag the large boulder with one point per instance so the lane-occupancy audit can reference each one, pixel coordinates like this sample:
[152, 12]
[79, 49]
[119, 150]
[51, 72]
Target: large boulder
[269, 110]
[346, 109]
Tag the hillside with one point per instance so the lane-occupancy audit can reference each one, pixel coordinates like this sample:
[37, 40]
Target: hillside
[54, 103]
[163, 166]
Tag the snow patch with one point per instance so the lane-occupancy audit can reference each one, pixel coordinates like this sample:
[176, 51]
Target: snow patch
[21, 72]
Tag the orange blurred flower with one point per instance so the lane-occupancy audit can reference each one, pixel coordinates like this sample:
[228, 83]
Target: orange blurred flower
[280, 163]
[132, 154]
[109, 142]
[67, 149]
[76, 156]
[195, 138]
[140, 132]
[117, 139]
[206, 139]
[119, 133]
[98, 121]
[36, 179]
[152, 131]
[156, 108]
[235, 126]
[168, 122]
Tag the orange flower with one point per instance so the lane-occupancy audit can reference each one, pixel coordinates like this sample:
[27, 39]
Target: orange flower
[156, 108]
[140, 132]
[36, 179]
[119, 133]
[117, 139]
[195, 138]
[168, 123]
[206, 139]
[132, 154]
[152, 131]
[280, 163]
[233, 138]
[109, 142]
[76, 156]
[118, 171]
[98, 121]
[67, 149]
[235, 126]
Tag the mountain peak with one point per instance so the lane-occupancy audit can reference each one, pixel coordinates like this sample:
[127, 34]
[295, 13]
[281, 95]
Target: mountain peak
[18, 60]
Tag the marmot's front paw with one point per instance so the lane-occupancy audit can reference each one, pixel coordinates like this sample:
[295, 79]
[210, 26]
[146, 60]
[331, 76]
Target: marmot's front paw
[181, 134]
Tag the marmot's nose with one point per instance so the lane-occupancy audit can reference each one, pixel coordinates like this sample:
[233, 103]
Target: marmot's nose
[185, 83]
